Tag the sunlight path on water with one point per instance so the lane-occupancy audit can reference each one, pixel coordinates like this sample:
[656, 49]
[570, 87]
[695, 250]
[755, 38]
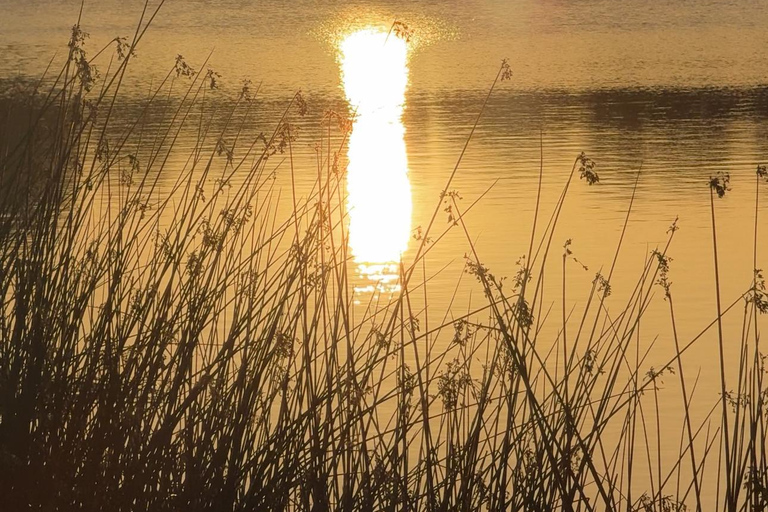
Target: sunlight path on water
[374, 69]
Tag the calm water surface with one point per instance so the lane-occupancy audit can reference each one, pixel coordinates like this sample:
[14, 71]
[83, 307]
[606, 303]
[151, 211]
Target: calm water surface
[679, 90]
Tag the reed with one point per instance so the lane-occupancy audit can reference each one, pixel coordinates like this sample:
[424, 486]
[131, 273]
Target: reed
[183, 337]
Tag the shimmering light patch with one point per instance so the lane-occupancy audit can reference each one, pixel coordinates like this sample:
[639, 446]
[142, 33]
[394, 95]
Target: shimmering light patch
[374, 69]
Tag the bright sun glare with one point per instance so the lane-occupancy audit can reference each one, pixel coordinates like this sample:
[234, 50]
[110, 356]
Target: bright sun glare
[374, 69]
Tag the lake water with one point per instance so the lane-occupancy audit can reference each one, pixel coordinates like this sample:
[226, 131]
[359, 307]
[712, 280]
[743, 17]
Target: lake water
[678, 90]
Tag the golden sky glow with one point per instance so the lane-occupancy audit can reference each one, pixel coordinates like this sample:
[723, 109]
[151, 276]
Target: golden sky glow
[374, 71]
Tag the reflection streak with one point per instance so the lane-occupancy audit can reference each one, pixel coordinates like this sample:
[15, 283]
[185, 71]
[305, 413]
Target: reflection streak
[375, 76]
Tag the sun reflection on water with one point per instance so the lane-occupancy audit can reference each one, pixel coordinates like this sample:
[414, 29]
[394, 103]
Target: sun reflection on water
[374, 69]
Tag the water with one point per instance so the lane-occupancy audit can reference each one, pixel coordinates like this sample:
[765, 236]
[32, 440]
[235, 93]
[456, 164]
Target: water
[678, 91]
[552, 45]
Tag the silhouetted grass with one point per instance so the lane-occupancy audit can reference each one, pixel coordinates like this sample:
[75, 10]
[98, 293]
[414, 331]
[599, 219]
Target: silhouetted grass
[189, 347]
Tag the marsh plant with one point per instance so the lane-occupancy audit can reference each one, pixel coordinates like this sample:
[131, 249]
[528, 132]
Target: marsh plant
[171, 340]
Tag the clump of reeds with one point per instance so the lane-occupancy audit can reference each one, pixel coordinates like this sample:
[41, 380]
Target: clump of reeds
[187, 347]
